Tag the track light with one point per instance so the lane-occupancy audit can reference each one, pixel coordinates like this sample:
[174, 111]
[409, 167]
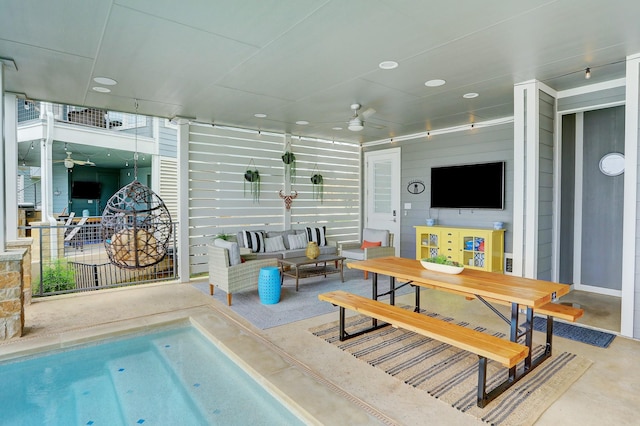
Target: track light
[587, 73]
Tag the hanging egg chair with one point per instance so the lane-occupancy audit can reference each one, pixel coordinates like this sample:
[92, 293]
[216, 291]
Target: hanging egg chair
[136, 226]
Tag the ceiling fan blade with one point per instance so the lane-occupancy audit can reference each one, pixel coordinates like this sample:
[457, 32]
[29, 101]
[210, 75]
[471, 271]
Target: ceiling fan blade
[367, 113]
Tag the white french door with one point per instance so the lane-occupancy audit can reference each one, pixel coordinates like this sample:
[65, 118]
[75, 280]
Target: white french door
[382, 192]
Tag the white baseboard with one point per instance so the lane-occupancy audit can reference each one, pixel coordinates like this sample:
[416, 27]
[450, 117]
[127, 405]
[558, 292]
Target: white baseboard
[598, 290]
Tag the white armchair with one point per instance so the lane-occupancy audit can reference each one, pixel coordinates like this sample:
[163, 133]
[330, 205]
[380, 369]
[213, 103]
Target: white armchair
[375, 243]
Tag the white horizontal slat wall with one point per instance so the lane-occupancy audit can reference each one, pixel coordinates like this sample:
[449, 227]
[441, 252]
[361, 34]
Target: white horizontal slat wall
[339, 165]
[168, 190]
[220, 202]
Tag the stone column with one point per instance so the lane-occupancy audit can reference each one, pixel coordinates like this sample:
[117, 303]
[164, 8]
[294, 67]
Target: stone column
[24, 244]
[11, 295]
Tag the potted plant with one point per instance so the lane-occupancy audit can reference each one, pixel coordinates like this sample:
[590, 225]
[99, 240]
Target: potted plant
[252, 177]
[222, 236]
[318, 187]
[442, 263]
[289, 160]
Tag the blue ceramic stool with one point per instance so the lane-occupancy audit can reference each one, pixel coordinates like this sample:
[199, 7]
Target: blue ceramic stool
[269, 285]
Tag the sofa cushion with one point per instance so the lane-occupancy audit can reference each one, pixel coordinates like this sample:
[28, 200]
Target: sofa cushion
[284, 234]
[298, 241]
[274, 244]
[232, 247]
[373, 235]
[317, 235]
[355, 253]
[254, 241]
[367, 244]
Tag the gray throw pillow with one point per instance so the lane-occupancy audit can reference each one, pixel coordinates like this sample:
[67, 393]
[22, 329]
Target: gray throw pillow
[298, 241]
[274, 244]
[232, 247]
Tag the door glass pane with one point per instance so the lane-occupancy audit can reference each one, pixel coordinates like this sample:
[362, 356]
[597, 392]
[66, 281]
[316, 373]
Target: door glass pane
[382, 187]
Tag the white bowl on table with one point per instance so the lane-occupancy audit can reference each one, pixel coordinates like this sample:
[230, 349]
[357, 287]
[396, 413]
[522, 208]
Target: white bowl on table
[438, 267]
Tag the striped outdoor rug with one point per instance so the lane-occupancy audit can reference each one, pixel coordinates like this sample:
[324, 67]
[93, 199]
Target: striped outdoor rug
[451, 374]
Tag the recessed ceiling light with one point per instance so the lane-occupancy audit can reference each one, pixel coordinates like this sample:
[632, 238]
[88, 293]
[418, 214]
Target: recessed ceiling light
[105, 80]
[101, 89]
[337, 128]
[260, 115]
[470, 95]
[302, 122]
[388, 65]
[435, 82]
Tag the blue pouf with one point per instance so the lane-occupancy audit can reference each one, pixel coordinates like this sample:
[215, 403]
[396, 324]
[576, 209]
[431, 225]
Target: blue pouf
[269, 285]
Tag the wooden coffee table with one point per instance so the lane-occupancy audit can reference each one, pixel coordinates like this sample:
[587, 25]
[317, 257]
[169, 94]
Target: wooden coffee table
[303, 267]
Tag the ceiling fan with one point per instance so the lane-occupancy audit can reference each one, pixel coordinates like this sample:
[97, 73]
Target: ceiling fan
[357, 121]
[70, 162]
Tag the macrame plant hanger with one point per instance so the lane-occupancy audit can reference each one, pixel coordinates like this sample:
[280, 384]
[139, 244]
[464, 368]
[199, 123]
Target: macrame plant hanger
[136, 224]
[318, 184]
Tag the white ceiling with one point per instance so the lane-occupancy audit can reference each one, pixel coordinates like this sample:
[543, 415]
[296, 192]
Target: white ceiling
[223, 61]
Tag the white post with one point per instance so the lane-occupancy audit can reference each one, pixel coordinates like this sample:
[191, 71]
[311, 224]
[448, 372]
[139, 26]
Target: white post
[630, 217]
[3, 207]
[11, 166]
[184, 270]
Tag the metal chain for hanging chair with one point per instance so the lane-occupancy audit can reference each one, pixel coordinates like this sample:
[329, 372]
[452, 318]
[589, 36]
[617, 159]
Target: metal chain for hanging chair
[136, 224]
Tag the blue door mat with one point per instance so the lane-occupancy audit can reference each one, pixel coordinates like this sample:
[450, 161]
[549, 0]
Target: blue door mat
[574, 332]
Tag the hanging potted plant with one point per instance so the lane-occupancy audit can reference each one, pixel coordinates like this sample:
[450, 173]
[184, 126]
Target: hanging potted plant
[318, 186]
[289, 160]
[252, 177]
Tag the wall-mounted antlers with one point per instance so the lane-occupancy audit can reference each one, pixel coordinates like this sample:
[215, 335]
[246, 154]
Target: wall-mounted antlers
[288, 198]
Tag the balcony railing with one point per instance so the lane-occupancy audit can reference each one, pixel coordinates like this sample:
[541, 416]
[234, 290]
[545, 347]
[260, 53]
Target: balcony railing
[89, 117]
[66, 265]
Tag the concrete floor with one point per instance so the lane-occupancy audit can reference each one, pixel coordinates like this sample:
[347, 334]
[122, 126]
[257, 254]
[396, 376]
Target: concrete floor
[323, 384]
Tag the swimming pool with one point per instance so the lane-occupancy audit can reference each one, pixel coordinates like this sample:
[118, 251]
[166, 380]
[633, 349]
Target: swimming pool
[170, 377]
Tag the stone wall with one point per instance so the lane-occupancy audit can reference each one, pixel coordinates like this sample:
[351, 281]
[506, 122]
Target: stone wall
[24, 244]
[11, 294]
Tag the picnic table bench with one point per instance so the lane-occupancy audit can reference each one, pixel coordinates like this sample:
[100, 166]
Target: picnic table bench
[486, 346]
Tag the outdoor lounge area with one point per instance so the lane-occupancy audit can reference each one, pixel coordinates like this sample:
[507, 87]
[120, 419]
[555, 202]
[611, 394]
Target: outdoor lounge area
[361, 213]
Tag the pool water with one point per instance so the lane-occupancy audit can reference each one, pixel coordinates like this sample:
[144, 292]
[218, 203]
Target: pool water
[171, 377]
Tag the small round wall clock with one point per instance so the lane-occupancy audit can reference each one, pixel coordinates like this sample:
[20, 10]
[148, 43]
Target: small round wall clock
[416, 187]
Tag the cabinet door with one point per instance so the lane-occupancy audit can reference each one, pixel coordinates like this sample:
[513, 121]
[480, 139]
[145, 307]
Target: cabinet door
[427, 243]
[474, 249]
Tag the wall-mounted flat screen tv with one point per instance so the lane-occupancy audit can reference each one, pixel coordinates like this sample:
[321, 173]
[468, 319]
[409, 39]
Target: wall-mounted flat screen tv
[86, 190]
[468, 186]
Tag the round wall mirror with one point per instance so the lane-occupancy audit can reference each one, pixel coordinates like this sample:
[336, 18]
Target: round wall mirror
[612, 164]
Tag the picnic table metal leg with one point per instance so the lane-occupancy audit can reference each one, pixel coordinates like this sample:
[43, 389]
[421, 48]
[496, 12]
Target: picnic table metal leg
[514, 334]
[528, 338]
[342, 332]
[374, 296]
[482, 382]
[548, 348]
[392, 290]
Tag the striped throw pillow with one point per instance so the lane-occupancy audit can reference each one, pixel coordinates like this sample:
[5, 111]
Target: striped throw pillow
[317, 235]
[254, 241]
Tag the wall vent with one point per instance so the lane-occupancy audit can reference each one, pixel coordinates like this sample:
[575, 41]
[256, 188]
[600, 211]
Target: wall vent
[508, 263]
